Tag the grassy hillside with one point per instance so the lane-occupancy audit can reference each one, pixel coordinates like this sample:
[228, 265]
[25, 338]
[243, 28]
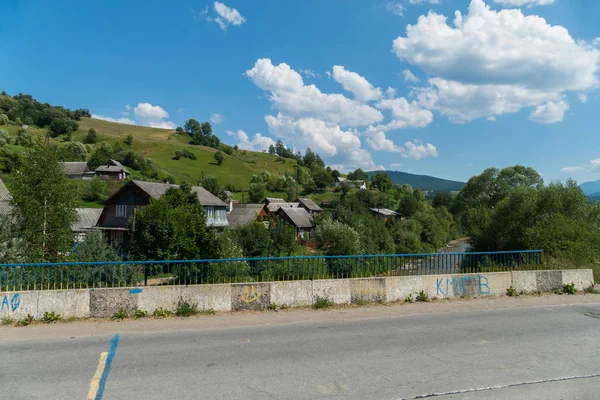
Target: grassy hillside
[423, 182]
[160, 145]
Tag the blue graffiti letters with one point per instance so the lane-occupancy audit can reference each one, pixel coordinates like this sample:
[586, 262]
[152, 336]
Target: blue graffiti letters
[439, 288]
[13, 305]
[462, 285]
[483, 284]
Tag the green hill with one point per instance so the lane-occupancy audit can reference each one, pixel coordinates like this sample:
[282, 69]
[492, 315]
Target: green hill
[423, 182]
[160, 146]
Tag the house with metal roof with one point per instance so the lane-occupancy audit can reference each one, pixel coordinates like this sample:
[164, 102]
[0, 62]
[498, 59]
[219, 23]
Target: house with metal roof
[309, 205]
[121, 206]
[384, 214]
[87, 219]
[113, 170]
[299, 218]
[77, 170]
[244, 214]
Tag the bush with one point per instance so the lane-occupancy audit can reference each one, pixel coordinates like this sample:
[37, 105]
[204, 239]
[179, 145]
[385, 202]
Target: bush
[219, 157]
[140, 314]
[93, 190]
[3, 119]
[25, 321]
[4, 135]
[160, 313]
[120, 315]
[423, 297]
[569, 288]
[92, 136]
[129, 140]
[185, 154]
[186, 310]
[23, 138]
[322, 302]
[50, 317]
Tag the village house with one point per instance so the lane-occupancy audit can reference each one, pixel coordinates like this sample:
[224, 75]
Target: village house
[77, 170]
[121, 206]
[244, 214]
[113, 170]
[384, 214]
[309, 205]
[299, 218]
[87, 219]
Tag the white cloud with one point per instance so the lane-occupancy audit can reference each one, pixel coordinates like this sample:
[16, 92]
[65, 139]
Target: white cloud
[423, 1]
[124, 113]
[309, 73]
[259, 143]
[396, 8]
[356, 84]
[153, 116]
[377, 140]
[216, 118]
[521, 3]
[495, 62]
[126, 121]
[127, 107]
[583, 97]
[390, 93]
[572, 169]
[405, 114]
[409, 76]
[595, 163]
[550, 112]
[290, 95]
[596, 42]
[395, 165]
[492, 119]
[227, 16]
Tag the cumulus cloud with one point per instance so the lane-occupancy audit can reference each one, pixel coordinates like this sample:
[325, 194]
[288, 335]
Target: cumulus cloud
[550, 112]
[583, 97]
[495, 62]
[390, 93]
[405, 114]
[409, 76]
[226, 16]
[153, 116]
[290, 95]
[521, 3]
[125, 121]
[216, 118]
[258, 143]
[356, 84]
[395, 165]
[415, 150]
[492, 119]
[309, 73]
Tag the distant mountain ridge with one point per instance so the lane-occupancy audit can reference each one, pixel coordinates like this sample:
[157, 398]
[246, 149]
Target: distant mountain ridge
[591, 188]
[423, 182]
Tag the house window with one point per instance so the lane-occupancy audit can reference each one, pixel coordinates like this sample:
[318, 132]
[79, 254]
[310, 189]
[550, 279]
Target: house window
[116, 237]
[210, 212]
[121, 211]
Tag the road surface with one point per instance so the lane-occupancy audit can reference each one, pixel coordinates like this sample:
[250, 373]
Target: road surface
[543, 352]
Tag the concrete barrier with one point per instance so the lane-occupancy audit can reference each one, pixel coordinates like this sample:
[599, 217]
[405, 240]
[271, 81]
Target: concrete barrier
[103, 303]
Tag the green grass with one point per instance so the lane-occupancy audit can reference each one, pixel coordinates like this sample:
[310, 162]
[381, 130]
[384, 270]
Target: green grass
[161, 144]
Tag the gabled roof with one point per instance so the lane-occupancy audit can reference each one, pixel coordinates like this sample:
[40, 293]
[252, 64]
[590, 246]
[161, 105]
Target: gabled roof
[269, 200]
[273, 207]
[298, 216]
[75, 168]
[243, 214]
[341, 179]
[112, 166]
[309, 204]
[155, 190]
[384, 211]
[87, 218]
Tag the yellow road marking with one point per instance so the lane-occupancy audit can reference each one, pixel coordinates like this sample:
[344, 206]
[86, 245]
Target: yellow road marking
[95, 383]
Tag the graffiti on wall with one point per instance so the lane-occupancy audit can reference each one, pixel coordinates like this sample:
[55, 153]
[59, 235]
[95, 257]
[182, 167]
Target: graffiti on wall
[11, 303]
[464, 285]
[250, 295]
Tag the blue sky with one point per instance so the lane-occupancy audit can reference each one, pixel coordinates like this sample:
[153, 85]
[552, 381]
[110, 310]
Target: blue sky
[507, 82]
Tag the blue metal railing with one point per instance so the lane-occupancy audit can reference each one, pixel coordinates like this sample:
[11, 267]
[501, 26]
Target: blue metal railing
[75, 275]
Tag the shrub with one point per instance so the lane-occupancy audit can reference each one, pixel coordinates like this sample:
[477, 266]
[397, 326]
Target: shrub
[511, 292]
[161, 313]
[8, 320]
[120, 315]
[423, 297]
[140, 314]
[186, 310]
[4, 135]
[219, 157]
[185, 154]
[322, 302]
[3, 119]
[92, 136]
[569, 288]
[25, 321]
[23, 138]
[409, 299]
[129, 140]
[50, 317]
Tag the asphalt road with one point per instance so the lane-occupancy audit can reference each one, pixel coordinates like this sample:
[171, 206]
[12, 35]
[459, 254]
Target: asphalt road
[527, 353]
